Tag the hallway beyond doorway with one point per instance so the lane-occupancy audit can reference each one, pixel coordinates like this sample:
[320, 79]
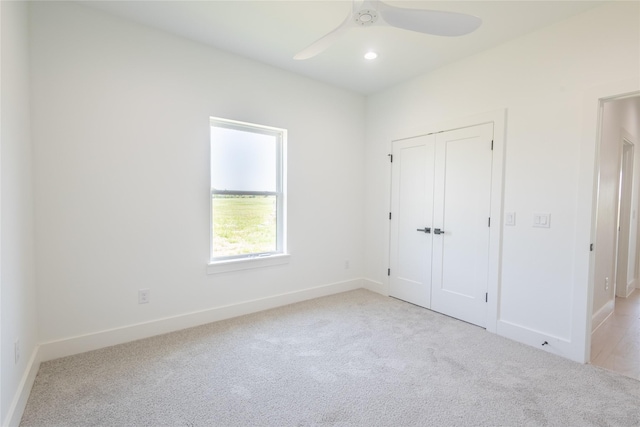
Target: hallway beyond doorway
[615, 345]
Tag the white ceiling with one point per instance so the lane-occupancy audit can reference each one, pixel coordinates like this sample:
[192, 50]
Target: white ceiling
[274, 31]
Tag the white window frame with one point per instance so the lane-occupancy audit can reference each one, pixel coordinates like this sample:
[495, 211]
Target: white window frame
[280, 255]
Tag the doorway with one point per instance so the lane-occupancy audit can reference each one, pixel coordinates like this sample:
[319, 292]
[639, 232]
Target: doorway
[615, 339]
[625, 214]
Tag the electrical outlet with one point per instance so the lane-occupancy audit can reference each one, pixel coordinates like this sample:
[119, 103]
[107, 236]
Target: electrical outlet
[144, 295]
[16, 351]
[346, 264]
[606, 283]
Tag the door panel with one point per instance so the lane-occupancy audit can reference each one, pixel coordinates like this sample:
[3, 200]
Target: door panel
[412, 209]
[462, 194]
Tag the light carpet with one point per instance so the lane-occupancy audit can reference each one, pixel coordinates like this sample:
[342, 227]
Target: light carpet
[352, 359]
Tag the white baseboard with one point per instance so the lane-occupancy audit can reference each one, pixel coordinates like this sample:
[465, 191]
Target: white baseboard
[556, 345]
[601, 315]
[376, 287]
[14, 415]
[80, 344]
[631, 286]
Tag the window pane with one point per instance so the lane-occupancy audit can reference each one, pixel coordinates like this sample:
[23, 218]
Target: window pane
[242, 161]
[243, 225]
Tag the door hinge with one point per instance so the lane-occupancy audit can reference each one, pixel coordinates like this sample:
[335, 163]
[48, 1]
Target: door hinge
[388, 272]
[491, 145]
[486, 297]
[390, 157]
[591, 247]
[389, 215]
[489, 223]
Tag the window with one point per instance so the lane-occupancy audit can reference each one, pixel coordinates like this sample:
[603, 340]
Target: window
[247, 191]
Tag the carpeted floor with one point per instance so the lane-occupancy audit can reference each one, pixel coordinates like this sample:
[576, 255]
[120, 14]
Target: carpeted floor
[353, 359]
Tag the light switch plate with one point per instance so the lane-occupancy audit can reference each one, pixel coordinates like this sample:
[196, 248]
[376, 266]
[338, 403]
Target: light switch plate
[509, 218]
[542, 220]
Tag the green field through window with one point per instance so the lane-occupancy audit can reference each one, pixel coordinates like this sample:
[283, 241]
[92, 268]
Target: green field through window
[243, 225]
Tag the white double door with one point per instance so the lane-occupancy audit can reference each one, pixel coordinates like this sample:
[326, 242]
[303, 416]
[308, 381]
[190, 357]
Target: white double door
[440, 221]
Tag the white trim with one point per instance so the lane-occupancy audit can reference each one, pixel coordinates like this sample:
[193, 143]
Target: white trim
[600, 316]
[536, 339]
[377, 287]
[631, 286]
[19, 402]
[493, 116]
[497, 208]
[80, 344]
[624, 206]
[246, 263]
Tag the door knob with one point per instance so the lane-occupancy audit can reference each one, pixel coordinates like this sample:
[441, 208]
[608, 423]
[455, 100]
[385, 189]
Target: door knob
[425, 230]
[438, 231]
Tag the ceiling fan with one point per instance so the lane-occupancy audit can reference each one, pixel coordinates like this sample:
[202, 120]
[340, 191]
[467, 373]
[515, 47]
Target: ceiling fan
[374, 12]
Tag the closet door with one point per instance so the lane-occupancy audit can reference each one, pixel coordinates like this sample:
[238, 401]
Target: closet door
[411, 218]
[462, 195]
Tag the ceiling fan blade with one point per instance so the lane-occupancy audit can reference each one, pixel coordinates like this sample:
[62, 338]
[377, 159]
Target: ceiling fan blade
[324, 42]
[433, 22]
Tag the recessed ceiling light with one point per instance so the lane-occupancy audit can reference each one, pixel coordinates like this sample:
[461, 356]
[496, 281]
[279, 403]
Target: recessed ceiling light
[370, 55]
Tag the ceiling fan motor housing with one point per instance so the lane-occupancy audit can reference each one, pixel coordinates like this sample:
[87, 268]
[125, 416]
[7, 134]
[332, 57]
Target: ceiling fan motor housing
[366, 17]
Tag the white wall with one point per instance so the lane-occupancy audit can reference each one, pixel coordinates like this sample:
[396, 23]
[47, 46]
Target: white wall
[618, 118]
[545, 80]
[120, 127]
[121, 130]
[17, 277]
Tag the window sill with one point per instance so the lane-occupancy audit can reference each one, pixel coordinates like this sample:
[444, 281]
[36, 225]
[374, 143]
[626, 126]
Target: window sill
[246, 263]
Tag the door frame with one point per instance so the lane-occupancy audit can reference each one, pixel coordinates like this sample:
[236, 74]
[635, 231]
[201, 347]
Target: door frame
[587, 218]
[625, 196]
[499, 120]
